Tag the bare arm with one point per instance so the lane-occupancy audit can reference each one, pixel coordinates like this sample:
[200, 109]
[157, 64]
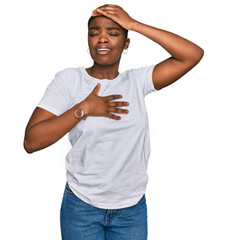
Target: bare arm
[45, 128]
[184, 54]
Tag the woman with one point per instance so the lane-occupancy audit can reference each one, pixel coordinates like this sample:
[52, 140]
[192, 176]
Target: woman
[106, 168]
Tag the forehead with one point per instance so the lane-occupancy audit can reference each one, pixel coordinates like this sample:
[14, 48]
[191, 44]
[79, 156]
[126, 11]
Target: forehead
[102, 21]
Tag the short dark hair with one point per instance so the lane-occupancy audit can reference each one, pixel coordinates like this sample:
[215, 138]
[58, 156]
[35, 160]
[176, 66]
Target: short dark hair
[124, 29]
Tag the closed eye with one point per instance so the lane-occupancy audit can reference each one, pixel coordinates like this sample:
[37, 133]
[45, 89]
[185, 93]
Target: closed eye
[93, 34]
[111, 34]
[114, 34]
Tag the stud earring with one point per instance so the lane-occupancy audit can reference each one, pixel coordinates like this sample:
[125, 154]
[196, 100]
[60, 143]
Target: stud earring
[125, 51]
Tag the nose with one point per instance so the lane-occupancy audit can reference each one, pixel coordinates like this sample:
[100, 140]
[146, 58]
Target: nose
[103, 38]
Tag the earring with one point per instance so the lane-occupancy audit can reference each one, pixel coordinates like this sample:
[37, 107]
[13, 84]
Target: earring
[125, 51]
[88, 51]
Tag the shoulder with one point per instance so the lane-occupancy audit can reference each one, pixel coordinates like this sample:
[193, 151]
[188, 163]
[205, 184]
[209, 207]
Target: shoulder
[140, 70]
[68, 73]
[68, 76]
[139, 73]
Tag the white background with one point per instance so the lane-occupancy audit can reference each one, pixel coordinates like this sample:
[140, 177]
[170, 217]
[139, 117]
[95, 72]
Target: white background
[187, 191]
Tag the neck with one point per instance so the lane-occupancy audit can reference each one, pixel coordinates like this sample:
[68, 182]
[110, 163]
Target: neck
[103, 72]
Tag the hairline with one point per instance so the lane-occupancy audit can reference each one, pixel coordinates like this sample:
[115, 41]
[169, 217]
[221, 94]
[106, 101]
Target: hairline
[109, 28]
[123, 29]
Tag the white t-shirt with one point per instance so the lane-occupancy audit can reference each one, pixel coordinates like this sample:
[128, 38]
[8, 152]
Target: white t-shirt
[107, 164]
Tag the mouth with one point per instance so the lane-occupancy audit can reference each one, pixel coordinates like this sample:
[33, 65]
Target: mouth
[103, 51]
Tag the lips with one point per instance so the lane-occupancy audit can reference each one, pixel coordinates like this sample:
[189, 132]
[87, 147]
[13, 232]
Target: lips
[103, 50]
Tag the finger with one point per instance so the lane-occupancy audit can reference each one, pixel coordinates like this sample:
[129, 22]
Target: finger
[112, 14]
[112, 97]
[97, 88]
[106, 12]
[95, 14]
[110, 115]
[106, 8]
[101, 9]
[119, 104]
[117, 110]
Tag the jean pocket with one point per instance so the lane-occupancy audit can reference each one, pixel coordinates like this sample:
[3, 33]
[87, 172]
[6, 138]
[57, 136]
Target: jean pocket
[68, 190]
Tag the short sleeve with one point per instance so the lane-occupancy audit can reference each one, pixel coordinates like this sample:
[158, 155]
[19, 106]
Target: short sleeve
[56, 98]
[144, 75]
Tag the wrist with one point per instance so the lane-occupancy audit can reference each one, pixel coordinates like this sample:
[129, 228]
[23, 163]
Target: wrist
[84, 106]
[135, 25]
[80, 109]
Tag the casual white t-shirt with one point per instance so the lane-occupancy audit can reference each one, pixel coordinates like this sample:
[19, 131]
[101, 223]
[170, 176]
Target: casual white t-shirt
[107, 164]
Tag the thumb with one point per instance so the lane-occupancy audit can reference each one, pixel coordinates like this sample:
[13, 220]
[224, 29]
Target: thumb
[97, 88]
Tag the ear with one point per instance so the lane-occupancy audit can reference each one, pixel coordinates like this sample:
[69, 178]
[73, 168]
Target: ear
[127, 42]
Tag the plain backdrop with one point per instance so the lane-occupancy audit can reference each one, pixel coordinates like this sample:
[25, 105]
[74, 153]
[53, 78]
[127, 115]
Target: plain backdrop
[187, 190]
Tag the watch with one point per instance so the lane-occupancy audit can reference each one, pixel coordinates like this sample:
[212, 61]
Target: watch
[79, 113]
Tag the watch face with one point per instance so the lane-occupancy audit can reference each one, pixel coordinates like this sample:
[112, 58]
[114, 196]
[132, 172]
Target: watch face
[78, 112]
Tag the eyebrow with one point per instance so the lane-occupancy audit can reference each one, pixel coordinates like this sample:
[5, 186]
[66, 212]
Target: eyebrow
[108, 28]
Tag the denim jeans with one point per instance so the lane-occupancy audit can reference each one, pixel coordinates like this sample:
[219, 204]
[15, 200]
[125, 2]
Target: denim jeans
[82, 221]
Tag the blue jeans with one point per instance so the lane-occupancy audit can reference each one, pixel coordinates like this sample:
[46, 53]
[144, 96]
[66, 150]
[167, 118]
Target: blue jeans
[82, 221]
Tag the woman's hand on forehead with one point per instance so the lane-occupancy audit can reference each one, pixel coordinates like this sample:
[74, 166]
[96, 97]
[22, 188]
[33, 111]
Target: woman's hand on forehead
[115, 13]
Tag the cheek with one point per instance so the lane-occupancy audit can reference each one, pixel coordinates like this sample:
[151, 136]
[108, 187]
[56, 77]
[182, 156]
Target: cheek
[90, 43]
[120, 44]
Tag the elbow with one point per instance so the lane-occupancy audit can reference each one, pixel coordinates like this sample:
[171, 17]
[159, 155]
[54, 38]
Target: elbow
[198, 55]
[201, 53]
[195, 58]
[27, 146]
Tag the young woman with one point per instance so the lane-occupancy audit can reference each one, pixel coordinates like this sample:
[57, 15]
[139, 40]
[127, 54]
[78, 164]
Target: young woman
[106, 168]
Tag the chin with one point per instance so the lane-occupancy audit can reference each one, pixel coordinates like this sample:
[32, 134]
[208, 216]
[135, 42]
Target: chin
[106, 62]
